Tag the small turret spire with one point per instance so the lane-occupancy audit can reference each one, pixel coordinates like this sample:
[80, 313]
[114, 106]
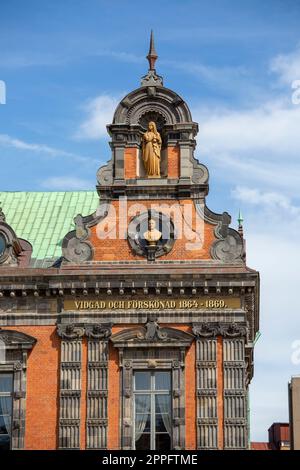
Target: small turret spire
[240, 219]
[152, 55]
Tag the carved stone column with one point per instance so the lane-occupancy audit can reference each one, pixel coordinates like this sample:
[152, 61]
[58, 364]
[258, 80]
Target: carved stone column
[70, 385]
[178, 402]
[206, 385]
[97, 386]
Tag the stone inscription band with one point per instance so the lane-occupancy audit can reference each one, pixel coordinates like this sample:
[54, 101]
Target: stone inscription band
[200, 303]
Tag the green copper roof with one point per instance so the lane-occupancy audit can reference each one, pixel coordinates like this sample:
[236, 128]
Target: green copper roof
[44, 218]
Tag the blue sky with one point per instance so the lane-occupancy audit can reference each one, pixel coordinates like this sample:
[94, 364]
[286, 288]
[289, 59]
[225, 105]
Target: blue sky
[67, 63]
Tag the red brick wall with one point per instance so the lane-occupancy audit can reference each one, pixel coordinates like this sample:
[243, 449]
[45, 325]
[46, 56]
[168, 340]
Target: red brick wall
[42, 405]
[130, 156]
[115, 248]
[173, 162]
[113, 437]
[42, 400]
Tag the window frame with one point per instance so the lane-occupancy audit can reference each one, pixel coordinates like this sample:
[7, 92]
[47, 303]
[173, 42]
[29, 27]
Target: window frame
[153, 392]
[11, 395]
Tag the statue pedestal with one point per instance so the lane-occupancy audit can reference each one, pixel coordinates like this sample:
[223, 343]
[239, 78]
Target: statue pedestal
[151, 250]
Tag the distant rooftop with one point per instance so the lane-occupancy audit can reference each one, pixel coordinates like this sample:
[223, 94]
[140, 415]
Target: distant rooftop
[44, 218]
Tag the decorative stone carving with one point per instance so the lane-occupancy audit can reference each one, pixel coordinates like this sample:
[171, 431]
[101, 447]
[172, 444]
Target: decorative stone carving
[75, 247]
[105, 174]
[206, 330]
[152, 79]
[153, 332]
[138, 227]
[211, 330]
[10, 246]
[228, 249]
[16, 339]
[151, 335]
[229, 245]
[153, 115]
[100, 331]
[233, 330]
[70, 331]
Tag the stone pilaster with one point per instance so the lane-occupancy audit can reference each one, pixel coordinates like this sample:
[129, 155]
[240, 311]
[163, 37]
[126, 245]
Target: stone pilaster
[206, 389]
[235, 403]
[97, 386]
[70, 385]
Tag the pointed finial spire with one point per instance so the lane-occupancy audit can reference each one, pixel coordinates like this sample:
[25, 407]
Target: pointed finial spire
[152, 55]
[152, 79]
[240, 219]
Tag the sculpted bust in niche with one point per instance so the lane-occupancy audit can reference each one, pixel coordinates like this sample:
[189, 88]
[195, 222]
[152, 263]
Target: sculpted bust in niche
[152, 235]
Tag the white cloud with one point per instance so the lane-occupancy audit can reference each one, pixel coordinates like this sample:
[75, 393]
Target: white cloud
[99, 112]
[272, 127]
[66, 183]
[260, 144]
[7, 141]
[287, 66]
[273, 200]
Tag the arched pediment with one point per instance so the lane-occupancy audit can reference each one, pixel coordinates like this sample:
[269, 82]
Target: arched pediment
[16, 339]
[163, 101]
[152, 335]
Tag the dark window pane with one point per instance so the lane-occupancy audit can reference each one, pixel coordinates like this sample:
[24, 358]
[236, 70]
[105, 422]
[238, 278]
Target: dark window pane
[2, 244]
[160, 423]
[143, 443]
[142, 380]
[4, 442]
[162, 380]
[6, 383]
[163, 404]
[142, 423]
[142, 403]
[162, 442]
[5, 422]
[5, 405]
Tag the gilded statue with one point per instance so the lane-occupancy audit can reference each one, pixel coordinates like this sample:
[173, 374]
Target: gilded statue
[151, 151]
[152, 235]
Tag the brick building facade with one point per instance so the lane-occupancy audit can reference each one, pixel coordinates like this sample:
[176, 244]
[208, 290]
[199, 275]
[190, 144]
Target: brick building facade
[108, 341]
